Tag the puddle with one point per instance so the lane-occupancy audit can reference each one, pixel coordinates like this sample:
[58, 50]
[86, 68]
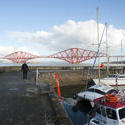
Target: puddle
[13, 89]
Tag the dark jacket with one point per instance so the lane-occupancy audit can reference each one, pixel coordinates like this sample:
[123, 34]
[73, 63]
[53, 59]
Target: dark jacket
[24, 67]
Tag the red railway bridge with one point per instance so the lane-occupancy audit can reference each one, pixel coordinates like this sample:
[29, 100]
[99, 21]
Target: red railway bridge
[72, 56]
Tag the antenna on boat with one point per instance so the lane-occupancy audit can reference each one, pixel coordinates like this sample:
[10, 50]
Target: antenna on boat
[121, 49]
[97, 19]
[121, 57]
[107, 51]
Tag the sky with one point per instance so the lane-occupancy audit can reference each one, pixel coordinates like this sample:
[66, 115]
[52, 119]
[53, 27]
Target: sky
[44, 27]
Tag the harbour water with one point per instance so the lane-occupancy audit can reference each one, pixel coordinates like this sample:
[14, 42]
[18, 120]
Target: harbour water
[77, 117]
[80, 116]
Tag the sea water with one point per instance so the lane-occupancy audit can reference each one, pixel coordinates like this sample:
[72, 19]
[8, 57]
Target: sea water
[77, 117]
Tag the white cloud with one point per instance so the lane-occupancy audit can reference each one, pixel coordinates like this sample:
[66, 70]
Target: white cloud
[115, 36]
[72, 34]
[25, 49]
[5, 50]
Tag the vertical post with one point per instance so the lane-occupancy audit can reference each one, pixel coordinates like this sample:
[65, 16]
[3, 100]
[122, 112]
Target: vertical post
[58, 87]
[121, 57]
[97, 11]
[107, 54]
[121, 50]
[117, 65]
[37, 75]
[116, 80]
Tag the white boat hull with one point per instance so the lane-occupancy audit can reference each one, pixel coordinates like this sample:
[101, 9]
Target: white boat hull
[110, 81]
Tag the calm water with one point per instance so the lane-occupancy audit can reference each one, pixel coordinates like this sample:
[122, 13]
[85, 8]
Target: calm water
[69, 91]
[80, 116]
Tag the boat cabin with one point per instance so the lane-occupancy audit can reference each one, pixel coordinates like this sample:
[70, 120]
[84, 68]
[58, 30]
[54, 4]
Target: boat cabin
[110, 110]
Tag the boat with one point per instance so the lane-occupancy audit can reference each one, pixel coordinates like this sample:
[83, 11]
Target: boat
[112, 80]
[94, 92]
[109, 110]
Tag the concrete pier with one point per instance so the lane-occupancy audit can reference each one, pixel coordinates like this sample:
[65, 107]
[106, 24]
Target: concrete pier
[23, 103]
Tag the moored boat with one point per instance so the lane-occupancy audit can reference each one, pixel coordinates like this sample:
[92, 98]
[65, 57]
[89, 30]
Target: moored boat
[112, 80]
[110, 110]
[87, 97]
[94, 92]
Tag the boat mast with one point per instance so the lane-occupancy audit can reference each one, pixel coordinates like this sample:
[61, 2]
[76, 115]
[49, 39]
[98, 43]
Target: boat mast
[121, 57]
[107, 55]
[97, 18]
[121, 49]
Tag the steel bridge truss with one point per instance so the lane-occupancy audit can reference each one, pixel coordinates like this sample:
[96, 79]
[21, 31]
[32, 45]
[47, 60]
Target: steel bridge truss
[76, 55]
[20, 57]
[72, 56]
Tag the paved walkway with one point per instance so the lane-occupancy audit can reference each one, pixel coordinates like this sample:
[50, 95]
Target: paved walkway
[16, 108]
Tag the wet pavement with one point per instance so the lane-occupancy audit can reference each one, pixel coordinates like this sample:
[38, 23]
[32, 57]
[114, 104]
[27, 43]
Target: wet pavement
[17, 107]
[21, 103]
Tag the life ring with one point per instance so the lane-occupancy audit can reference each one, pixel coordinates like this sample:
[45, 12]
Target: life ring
[111, 98]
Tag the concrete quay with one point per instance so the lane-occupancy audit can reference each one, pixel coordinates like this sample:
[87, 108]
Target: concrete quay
[24, 103]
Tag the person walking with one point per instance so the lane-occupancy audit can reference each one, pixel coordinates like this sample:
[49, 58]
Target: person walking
[25, 69]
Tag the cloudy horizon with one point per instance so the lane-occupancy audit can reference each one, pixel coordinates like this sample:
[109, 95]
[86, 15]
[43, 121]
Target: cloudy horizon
[72, 34]
[47, 27]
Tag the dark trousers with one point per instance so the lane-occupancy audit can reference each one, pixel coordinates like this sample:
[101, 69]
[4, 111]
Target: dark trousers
[24, 74]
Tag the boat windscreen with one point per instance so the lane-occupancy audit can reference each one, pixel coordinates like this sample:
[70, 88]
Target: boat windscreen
[112, 91]
[122, 113]
[111, 114]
